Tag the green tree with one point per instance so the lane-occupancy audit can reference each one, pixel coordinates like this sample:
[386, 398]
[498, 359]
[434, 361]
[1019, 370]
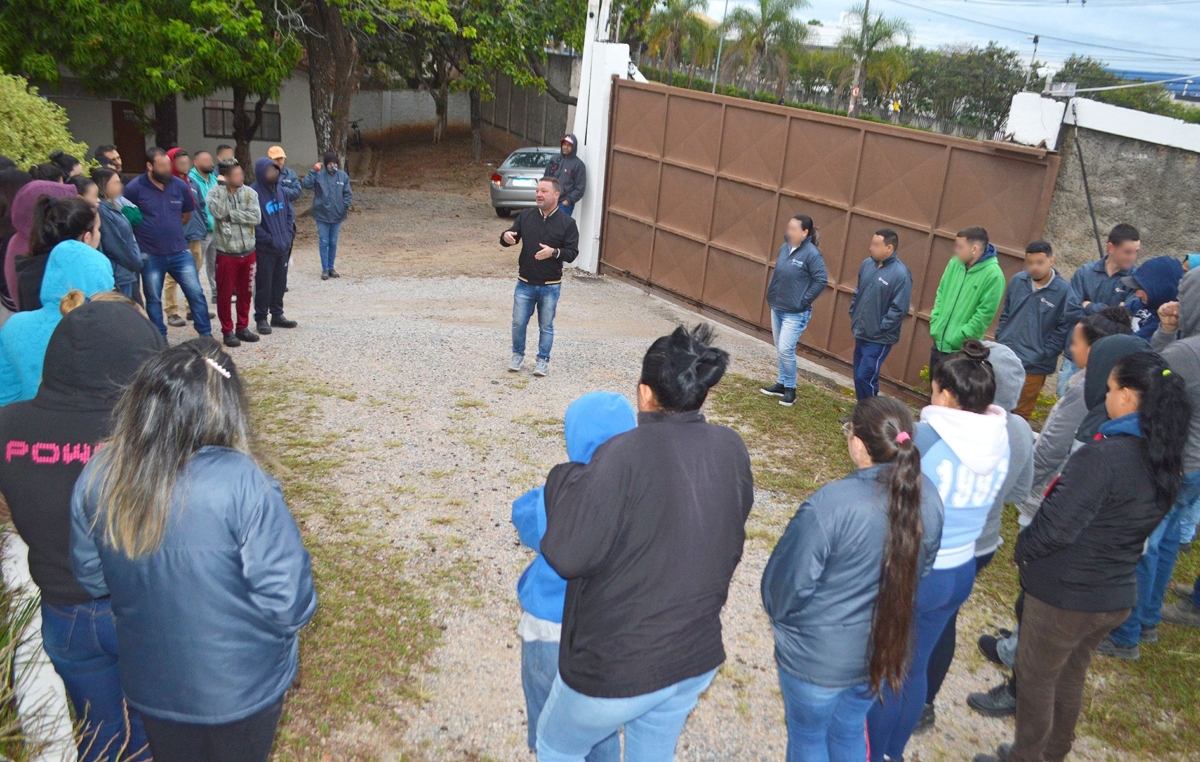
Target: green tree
[973, 85]
[31, 126]
[875, 36]
[700, 48]
[1086, 72]
[767, 40]
[671, 24]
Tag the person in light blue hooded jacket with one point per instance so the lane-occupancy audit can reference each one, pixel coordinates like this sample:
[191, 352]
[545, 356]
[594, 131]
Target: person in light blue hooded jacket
[74, 264]
[591, 421]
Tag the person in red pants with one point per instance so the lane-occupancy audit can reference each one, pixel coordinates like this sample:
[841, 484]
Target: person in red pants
[235, 212]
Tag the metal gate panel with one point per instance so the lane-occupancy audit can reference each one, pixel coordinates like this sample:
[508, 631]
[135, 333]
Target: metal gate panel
[700, 188]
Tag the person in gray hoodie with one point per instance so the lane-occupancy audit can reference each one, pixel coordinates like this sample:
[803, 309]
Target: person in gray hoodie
[571, 174]
[798, 279]
[1010, 380]
[331, 203]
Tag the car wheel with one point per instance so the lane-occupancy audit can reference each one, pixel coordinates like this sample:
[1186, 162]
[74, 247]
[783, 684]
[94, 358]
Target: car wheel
[502, 212]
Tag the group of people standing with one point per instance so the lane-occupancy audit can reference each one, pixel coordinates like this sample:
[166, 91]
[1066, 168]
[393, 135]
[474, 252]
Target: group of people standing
[188, 222]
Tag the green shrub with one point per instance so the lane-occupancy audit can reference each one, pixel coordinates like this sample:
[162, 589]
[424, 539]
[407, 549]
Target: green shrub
[31, 126]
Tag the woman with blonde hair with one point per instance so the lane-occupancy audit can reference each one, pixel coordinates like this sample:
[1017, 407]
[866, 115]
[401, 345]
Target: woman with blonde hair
[209, 579]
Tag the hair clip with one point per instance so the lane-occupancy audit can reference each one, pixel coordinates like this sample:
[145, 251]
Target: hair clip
[1166, 371]
[217, 367]
[903, 437]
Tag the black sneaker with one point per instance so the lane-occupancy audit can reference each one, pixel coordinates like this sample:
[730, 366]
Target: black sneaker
[1109, 647]
[264, 328]
[1000, 701]
[774, 391]
[279, 321]
[1150, 635]
[334, 273]
[987, 647]
[231, 340]
[927, 721]
[789, 398]
[175, 321]
[324, 275]
[1003, 752]
[245, 334]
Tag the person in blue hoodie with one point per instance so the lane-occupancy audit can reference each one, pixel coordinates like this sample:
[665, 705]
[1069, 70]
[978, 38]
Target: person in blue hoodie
[1153, 284]
[331, 203]
[799, 278]
[74, 264]
[963, 440]
[590, 421]
[877, 309]
[273, 240]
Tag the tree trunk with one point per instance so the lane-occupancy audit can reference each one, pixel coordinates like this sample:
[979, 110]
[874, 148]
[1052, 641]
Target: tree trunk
[333, 75]
[476, 125]
[441, 102]
[244, 127]
[166, 123]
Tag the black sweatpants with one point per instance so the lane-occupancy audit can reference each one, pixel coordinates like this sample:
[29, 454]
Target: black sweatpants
[247, 740]
[270, 281]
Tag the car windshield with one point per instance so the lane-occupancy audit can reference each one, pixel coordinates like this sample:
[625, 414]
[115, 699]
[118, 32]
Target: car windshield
[528, 160]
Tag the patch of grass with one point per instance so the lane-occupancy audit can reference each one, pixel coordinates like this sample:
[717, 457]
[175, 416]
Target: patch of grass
[443, 520]
[542, 427]
[470, 403]
[440, 474]
[373, 626]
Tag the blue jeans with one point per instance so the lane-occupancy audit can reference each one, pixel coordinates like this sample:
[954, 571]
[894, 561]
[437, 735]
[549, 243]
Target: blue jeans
[81, 641]
[539, 667]
[868, 362]
[786, 329]
[182, 268]
[526, 299]
[1188, 520]
[327, 238]
[1155, 567]
[572, 723]
[825, 724]
[1068, 369]
[567, 209]
[893, 717]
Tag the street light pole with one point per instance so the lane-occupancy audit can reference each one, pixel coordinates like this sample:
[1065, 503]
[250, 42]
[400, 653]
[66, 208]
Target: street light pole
[856, 90]
[720, 44]
[1032, 61]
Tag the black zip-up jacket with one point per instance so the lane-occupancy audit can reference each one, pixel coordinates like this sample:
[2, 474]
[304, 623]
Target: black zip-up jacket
[881, 300]
[647, 535]
[1081, 551]
[557, 231]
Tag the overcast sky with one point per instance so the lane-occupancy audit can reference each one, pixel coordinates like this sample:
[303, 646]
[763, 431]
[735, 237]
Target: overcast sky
[1147, 36]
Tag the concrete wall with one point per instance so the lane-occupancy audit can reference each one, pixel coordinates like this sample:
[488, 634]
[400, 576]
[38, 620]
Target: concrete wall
[379, 110]
[90, 119]
[523, 116]
[1154, 187]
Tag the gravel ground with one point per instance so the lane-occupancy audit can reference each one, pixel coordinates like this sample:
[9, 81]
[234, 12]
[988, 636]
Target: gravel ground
[441, 439]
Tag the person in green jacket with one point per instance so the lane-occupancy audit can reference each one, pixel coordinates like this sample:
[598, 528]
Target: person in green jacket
[968, 295]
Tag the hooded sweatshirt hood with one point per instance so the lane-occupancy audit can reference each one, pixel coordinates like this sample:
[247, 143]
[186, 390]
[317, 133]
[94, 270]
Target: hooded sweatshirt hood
[172, 153]
[590, 421]
[1105, 355]
[1159, 278]
[1189, 304]
[574, 141]
[93, 354]
[260, 173]
[1010, 375]
[979, 441]
[277, 229]
[22, 210]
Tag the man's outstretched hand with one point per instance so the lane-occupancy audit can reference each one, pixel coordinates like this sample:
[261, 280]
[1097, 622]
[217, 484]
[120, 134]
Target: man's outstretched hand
[509, 237]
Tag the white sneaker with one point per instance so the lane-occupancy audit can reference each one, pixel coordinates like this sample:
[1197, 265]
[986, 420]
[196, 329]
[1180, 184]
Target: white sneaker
[542, 368]
[517, 362]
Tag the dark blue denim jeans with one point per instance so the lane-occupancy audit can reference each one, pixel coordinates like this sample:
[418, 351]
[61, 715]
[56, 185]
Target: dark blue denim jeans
[182, 268]
[868, 363]
[81, 641]
[526, 299]
[825, 724]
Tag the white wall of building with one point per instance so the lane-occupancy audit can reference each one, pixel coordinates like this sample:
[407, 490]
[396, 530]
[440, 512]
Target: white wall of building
[1033, 119]
[379, 110]
[90, 119]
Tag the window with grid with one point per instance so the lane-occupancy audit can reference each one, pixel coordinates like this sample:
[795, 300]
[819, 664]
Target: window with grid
[218, 121]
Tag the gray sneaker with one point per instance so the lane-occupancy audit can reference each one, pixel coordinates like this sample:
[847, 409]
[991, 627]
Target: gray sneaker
[517, 362]
[1109, 647]
[542, 368]
[1182, 613]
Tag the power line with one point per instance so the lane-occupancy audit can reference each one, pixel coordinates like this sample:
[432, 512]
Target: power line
[1135, 84]
[1027, 32]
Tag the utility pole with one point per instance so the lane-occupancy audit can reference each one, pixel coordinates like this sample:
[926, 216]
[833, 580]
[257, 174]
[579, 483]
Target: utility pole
[1032, 61]
[856, 90]
[720, 44]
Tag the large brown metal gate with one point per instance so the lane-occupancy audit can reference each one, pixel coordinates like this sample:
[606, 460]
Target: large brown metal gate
[700, 188]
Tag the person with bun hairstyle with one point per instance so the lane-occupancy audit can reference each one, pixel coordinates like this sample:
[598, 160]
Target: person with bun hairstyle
[841, 584]
[193, 543]
[647, 535]
[73, 263]
[798, 279]
[67, 164]
[963, 439]
[1077, 558]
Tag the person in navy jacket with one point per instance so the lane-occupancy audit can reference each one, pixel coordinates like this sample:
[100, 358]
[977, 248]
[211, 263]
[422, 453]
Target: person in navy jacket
[877, 310]
[798, 279]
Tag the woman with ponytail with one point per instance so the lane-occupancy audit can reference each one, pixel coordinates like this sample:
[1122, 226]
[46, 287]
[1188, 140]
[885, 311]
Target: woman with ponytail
[1077, 558]
[963, 439]
[71, 227]
[841, 585]
[647, 535]
[798, 279]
